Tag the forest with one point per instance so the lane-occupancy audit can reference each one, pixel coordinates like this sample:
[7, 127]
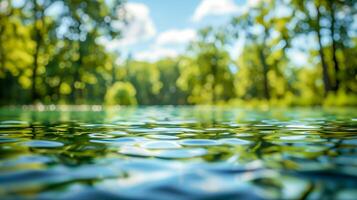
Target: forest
[52, 56]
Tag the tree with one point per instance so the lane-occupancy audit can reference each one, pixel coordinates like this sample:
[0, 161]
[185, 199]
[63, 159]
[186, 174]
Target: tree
[206, 74]
[89, 20]
[146, 79]
[264, 58]
[121, 93]
[15, 54]
[48, 64]
[170, 93]
[331, 20]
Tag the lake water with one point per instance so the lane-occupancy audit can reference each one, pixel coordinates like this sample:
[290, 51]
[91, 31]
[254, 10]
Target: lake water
[177, 153]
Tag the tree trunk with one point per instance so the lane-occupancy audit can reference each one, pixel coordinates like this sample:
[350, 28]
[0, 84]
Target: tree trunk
[76, 77]
[38, 41]
[77, 94]
[58, 89]
[265, 73]
[114, 77]
[2, 51]
[325, 75]
[34, 93]
[214, 73]
[334, 46]
[2, 65]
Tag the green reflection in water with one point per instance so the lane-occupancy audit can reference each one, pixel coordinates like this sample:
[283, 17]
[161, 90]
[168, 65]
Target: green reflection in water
[177, 152]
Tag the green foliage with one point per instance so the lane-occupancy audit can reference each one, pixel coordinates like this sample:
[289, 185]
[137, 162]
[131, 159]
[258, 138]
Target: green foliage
[56, 59]
[206, 75]
[341, 98]
[121, 93]
[332, 21]
[266, 72]
[51, 66]
[309, 87]
[170, 93]
[146, 79]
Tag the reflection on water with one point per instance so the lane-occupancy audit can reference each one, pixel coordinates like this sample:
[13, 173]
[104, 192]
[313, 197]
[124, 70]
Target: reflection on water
[178, 153]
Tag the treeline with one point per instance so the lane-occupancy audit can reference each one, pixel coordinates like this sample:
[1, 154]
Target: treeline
[49, 53]
[56, 59]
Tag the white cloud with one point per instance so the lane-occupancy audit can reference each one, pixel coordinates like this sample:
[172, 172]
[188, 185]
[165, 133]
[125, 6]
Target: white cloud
[156, 54]
[214, 8]
[236, 49]
[139, 26]
[176, 37]
[298, 57]
[167, 44]
[254, 3]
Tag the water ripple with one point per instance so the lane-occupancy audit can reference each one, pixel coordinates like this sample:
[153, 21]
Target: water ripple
[178, 153]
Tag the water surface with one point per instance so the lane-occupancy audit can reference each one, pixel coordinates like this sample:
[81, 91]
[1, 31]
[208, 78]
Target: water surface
[177, 153]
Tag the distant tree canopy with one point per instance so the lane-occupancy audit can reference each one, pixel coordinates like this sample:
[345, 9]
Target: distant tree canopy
[122, 93]
[206, 75]
[54, 58]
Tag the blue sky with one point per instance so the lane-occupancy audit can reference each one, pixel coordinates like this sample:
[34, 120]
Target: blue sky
[161, 28]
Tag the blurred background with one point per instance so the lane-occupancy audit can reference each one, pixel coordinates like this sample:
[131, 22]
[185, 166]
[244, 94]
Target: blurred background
[157, 52]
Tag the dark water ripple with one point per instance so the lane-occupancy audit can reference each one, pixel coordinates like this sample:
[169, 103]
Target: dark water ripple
[178, 153]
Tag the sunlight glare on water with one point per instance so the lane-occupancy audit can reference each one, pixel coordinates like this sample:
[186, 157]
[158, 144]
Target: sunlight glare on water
[178, 153]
